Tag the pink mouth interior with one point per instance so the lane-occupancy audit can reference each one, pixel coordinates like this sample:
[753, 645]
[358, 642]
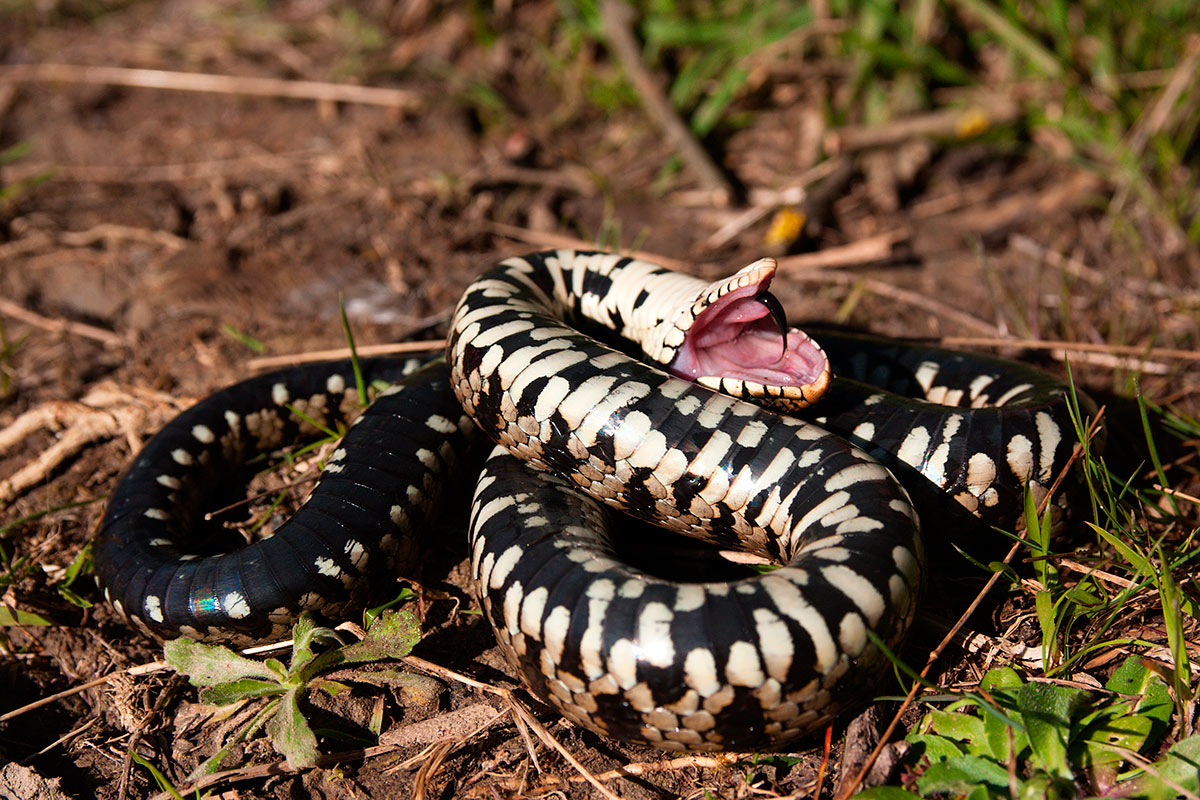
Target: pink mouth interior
[736, 338]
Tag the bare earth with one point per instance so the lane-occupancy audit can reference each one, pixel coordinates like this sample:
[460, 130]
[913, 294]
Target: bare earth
[152, 230]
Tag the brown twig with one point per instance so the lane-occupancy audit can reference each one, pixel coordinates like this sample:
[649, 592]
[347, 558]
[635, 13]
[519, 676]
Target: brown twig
[172, 173]
[109, 232]
[101, 414]
[254, 497]
[543, 734]
[204, 82]
[864, 251]
[66, 737]
[1080, 347]
[109, 339]
[617, 18]
[519, 711]
[1176, 493]
[961, 123]
[1072, 565]
[140, 669]
[906, 296]
[396, 348]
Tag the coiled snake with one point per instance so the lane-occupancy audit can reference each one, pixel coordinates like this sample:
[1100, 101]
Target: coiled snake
[735, 664]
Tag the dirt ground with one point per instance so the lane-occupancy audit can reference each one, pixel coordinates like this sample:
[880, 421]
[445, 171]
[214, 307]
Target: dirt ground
[146, 235]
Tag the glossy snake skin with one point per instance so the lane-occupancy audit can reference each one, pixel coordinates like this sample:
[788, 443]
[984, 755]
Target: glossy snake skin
[537, 358]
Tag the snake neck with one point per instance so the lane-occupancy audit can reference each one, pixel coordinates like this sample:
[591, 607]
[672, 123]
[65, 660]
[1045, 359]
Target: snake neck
[729, 335]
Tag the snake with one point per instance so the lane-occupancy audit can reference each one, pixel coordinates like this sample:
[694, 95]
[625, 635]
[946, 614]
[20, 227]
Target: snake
[609, 382]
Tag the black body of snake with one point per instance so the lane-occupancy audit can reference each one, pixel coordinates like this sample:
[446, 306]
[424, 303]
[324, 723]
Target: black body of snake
[737, 664]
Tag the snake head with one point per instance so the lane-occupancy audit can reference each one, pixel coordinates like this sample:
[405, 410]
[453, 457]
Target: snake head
[736, 340]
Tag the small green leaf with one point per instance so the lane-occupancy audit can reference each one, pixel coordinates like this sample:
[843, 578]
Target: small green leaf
[291, 734]
[1044, 787]
[1043, 604]
[78, 564]
[1132, 725]
[213, 763]
[277, 668]
[1032, 528]
[1094, 748]
[1005, 742]
[243, 338]
[359, 383]
[305, 632]
[965, 728]
[331, 688]
[163, 784]
[72, 598]
[1133, 678]
[19, 616]
[222, 694]
[1000, 678]
[209, 664]
[1047, 710]
[1174, 623]
[886, 793]
[1006, 736]
[935, 748]
[371, 614]
[1134, 558]
[1181, 766]
[961, 775]
[394, 634]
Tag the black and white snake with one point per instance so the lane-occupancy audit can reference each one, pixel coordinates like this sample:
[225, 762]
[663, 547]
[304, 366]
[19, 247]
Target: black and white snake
[736, 664]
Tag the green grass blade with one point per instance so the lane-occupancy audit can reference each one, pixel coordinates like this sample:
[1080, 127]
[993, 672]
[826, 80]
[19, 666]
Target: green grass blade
[359, 383]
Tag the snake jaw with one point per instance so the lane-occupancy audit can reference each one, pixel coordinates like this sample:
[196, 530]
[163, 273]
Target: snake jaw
[732, 343]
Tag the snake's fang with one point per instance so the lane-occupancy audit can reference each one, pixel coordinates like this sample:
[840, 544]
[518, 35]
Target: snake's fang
[778, 317]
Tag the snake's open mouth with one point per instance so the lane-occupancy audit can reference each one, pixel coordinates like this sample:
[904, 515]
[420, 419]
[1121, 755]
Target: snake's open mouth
[742, 336]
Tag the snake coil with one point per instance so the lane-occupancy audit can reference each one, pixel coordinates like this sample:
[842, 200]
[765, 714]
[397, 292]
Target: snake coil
[579, 425]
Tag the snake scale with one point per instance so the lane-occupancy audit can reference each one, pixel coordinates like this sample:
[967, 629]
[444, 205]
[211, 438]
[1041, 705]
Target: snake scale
[538, 358]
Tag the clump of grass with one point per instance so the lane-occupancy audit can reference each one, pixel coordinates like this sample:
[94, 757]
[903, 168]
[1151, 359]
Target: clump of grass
[710, 47]
[1020, 737]
[1093, 80]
